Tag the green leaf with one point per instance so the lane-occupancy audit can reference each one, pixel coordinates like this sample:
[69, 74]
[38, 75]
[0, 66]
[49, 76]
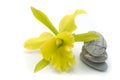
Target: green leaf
[40, 65]
[67, 23]
[44, 19]
[86, 37]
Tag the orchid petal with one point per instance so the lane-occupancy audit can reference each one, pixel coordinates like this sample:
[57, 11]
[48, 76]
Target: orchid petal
[36, 43]
[67, 23]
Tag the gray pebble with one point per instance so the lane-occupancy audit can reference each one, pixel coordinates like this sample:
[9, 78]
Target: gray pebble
[98, 66]
[96, 47]
[98, 59]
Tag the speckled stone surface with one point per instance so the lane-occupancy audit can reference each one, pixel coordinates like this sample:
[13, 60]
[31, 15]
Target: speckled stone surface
[98, 66]
[96, 47]
[98, 59]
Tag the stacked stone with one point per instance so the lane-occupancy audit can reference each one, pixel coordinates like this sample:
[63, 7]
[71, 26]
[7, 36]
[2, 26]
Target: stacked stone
[94, 53]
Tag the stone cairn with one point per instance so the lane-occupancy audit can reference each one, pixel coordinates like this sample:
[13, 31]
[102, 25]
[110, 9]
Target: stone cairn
[94, 53]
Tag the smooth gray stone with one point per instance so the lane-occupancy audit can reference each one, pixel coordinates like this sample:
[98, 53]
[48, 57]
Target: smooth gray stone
[96, 47]
[98, 59]
[98, 66]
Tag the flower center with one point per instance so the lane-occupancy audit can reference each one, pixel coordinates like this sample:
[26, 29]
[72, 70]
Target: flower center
[59, 42]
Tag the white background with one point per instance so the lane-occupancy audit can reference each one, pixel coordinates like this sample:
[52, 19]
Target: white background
[18, 24]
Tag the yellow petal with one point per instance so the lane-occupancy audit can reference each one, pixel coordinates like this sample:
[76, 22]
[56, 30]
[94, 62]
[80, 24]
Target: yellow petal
[45, 36]
[67, 23]
[44, 19]
[41, 64]
[86, 37]
[36, 43]
[48, 48]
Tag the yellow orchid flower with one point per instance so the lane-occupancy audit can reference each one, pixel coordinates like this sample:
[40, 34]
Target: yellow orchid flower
[57, 49]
